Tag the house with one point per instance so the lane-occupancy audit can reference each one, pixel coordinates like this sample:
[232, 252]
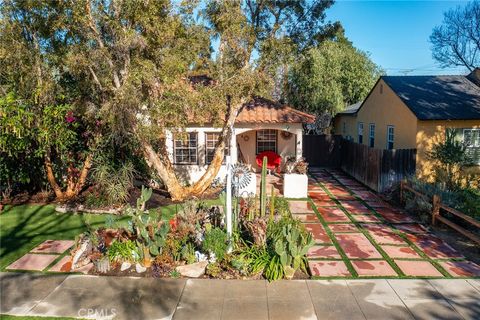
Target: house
[261, 125]
[414, 112]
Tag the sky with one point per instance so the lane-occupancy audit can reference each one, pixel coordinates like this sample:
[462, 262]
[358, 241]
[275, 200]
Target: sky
[395, 33]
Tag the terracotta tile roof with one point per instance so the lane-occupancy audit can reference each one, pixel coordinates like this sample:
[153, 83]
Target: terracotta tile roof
[261, 110]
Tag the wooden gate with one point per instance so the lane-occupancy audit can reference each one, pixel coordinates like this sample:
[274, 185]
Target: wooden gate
[322, 150]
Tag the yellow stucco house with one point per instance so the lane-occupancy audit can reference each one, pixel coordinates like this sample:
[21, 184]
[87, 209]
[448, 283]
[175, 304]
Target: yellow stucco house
[414, 112]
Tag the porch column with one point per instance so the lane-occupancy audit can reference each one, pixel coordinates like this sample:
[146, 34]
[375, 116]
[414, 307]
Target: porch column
[299, 147]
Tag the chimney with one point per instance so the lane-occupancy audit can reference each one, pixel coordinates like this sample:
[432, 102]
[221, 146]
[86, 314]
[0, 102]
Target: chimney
[474, 76]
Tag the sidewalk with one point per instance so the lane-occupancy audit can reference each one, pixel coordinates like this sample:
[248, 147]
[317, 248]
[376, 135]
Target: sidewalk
[146, 298]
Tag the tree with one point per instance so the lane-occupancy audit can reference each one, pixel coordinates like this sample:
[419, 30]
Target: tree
[129, 64]
[331, 76]
[457, 41]
[37, 119]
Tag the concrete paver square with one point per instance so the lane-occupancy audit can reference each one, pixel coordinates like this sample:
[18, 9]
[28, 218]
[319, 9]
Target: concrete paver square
[411, 228]
[455, 289]
[418, 268]
[344, 228]
[366, 195]
[307, 218]
[323, 252]
[300, 207]
[346, 307]
[468, 309]
[36, 262]
[373, 268]
[318, 232]
[371, 289]
[361, 252]
[63, 265]
[149, 298]
[237, 289]
[294, 290]
[414, 289]
[346, 197]
[324, 203]
[20, 292]
[53, 246]
[287, 309]
[327, 268]
[443, 251]
[365, 218]
[461, 268]
[401, 252]
[385, 309]
[333, 215]
[432, 309]
[354, 207]
[387, 238]
[244, 308]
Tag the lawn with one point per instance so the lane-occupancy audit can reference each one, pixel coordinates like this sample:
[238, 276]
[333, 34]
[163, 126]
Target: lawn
[26, 226]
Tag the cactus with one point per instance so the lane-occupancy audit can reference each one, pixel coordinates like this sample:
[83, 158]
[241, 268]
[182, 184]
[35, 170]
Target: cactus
[272, 203]
[263, 191]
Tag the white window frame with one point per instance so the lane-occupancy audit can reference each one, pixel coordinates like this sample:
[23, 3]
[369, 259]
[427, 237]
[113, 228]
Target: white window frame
[208, 148]
[360, 132]
[184, 144]
[272, 135]
[476, 143]
[392, 136]
[370, 136]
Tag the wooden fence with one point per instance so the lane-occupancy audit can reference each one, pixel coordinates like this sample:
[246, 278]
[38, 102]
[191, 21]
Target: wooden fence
[438, 207]
[378, 169]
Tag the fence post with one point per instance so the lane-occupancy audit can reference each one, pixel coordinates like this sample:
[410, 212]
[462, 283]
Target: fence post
[435, 208]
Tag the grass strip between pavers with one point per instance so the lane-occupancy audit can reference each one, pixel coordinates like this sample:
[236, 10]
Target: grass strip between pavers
[403, 236]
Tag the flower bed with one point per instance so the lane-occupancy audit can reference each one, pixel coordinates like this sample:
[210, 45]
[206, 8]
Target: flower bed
[266, 242]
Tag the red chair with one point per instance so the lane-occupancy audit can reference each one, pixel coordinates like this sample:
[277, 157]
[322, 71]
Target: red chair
[273, 160]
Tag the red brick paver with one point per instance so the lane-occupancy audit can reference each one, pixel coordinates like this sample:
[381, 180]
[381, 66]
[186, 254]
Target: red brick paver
[318, 233]
[53, 246]
[328, 268]
[461, 268]
[418, 268]
[33, 262]
[373, 268]
[323, 252]
[401, 252]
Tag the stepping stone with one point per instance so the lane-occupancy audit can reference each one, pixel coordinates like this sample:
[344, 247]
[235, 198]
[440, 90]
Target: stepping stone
[34, 262]
[53, 246]
[401, 252]
[355, 207]
[344, 228]
[334, 215]
[318, 233]
[387, 238]
[309, 218]
[319, 196]
[395, 217]
[461, 268]
[376, 203]
[64, 265]
[365, 218]
[366, 195]
[418, 268]
[326, 268]
[300, 207]
[357, 246]
[411, 228]
[434, 247]
[324, 203]
[321, 252]
[346, 197]
[373, 268]
[353, 238]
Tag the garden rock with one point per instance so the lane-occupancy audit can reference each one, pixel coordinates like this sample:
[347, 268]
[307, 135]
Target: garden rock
[139, 268]
[125, 266]
[193, 270]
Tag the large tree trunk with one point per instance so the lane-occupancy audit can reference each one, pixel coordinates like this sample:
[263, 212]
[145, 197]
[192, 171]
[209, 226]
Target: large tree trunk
[74, 185]
[160, 162]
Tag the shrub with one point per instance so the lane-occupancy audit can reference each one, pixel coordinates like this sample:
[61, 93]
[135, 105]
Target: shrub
[123, 251]
[216, 242]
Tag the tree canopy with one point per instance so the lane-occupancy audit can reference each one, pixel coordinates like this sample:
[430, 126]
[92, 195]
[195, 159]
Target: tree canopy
[457, 41]
[331, 76]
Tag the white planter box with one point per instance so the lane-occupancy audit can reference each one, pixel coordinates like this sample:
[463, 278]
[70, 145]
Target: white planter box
[295, 185]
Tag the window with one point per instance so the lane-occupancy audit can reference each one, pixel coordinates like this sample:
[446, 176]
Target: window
[185, 149]
[471, 139]
[372, 135]
[211, 139]
[266, 140]
[390, 137]
[360, 132]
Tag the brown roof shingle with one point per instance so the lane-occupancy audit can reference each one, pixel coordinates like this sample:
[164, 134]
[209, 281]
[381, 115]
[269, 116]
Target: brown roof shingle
[261, 110]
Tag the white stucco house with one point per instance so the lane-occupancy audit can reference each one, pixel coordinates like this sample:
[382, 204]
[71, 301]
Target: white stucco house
[261, 125]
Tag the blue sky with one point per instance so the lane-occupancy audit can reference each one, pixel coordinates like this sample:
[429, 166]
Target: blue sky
[395, 33]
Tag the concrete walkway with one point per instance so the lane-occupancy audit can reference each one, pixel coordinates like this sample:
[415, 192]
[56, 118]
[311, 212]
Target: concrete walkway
[146, 298]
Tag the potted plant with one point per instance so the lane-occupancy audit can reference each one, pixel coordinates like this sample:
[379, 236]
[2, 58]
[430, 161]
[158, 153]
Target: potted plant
[295, 180]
